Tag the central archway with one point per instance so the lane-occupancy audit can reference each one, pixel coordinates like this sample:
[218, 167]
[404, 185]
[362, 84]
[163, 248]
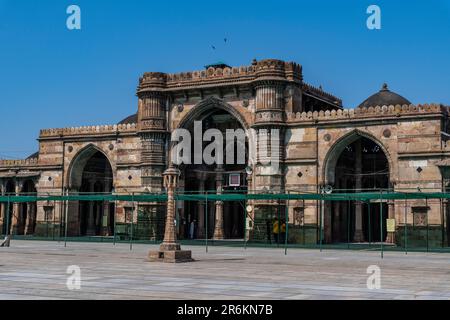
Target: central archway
[359, 164]
[220, 219]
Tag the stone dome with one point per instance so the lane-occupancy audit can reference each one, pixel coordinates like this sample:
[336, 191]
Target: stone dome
[384, 97]
[130, 119]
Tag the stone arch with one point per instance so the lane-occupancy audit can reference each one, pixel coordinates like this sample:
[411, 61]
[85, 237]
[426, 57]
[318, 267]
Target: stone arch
[75, 172]
[201, 109]
[333, 154]
[225, 218]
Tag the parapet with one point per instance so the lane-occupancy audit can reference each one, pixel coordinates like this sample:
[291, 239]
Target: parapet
[89, 130]
[371, 112]
[289, 71]
[14, 163]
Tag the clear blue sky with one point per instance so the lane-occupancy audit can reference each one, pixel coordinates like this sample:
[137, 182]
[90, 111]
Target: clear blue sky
[53, 77]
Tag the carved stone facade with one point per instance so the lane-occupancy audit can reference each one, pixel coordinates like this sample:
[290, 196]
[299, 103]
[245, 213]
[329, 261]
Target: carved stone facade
[315, 133]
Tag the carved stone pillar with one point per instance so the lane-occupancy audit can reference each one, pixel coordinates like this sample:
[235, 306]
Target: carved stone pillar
[28, 217]
[390, 237]
[169, 250]
[218, 228]
[91, 216]
[15, 225]
[170, 237]
[359, 235]
[105, 216]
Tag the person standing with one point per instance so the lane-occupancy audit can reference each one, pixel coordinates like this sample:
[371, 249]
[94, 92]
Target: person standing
[192, 229]
[276, 230]
[283, 231]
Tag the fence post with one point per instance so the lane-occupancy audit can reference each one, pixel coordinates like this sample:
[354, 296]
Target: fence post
[54, 219]
[245, 224]
[66, 218]
[322, 216]
[286, 234]
[348, 224]
[441, 206]
[426, 206]
[115, 212]
[46, 226]
[132, 218]
[370, 224]
[279, 223]
[206, 221]
[381, 222]
[406, 225]
[61, 210]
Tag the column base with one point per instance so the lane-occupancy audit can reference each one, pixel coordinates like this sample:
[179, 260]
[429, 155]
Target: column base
[390, 238]
[359, 236]
[170, 256]
[170, 246]
[218, 235]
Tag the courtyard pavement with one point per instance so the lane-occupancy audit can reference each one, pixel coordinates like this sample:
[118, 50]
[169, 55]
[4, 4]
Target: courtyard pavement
[38, 270]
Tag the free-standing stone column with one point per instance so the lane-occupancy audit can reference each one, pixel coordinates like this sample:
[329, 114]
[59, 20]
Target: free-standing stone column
[16, 211]
[218, 228]
[358, 236]
[27, 217]
[105, 221]
[91, 219]
[390, 237]
[169, 250]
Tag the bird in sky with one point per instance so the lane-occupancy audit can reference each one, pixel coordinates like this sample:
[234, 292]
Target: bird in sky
[214, 48]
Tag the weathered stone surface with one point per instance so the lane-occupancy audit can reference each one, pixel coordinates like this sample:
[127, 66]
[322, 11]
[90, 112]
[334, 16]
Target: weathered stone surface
[170, 256]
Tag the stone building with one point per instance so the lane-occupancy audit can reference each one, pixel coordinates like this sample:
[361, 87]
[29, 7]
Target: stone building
[384, 143]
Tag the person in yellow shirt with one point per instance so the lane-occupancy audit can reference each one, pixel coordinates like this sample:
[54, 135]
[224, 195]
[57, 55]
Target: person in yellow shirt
[276, 229]
[283, 231]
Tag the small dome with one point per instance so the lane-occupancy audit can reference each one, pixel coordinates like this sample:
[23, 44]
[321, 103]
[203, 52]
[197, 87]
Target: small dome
[130, 119]
[33, 156]
[384, 97]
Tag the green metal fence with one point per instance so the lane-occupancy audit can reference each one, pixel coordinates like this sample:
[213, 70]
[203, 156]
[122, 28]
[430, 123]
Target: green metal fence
[271, 225]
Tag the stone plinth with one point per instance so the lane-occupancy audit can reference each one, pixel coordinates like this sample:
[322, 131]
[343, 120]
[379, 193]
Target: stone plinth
[171, 256]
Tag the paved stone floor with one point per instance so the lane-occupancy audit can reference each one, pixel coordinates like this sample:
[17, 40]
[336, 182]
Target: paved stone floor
[38, 270]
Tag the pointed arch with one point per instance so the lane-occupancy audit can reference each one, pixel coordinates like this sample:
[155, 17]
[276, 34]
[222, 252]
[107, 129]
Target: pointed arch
[211, 104]
[338, 147]
[75, 172]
